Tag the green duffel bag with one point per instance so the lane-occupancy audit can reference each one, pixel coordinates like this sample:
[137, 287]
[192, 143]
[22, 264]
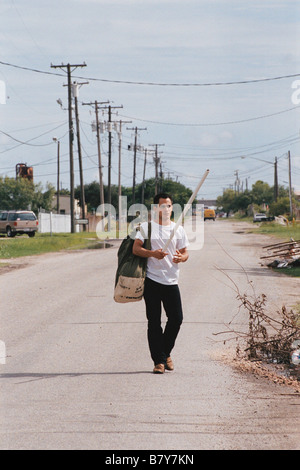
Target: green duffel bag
[131, 271]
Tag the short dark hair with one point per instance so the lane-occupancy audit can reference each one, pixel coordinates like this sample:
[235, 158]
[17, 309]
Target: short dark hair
[159, 196]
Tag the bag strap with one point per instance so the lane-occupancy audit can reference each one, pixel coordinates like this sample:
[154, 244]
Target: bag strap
[148, 239]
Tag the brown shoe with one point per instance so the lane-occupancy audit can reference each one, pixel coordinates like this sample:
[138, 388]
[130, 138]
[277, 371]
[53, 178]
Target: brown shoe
[159, 369]
[169, 364]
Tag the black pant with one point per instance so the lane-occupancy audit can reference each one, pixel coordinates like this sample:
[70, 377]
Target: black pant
[162, 342]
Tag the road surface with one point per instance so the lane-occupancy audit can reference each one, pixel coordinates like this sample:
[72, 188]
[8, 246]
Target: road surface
[78, 374]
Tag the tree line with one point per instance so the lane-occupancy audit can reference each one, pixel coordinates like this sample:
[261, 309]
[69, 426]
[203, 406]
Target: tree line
[261, 198]
[179, 192]
[21, 194]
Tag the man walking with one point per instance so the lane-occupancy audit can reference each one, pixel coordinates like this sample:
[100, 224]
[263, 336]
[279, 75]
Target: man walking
[161, 284]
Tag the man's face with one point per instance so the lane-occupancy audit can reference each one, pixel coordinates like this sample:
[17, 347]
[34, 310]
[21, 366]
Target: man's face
[164, 209]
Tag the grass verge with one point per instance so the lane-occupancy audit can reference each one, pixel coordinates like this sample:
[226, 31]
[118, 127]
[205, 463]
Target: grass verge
[292, 271]
[280, 231]
[45, 243]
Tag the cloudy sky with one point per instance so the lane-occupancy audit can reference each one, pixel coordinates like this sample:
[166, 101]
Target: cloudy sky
[214, 81]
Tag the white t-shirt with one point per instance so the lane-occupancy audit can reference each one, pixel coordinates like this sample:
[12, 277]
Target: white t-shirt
[163, 270]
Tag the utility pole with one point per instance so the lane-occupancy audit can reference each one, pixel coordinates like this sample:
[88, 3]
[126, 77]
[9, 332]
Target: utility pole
[136, 129]
[290, 184]
[96, 105]
[237, 182]
[161, 177]
[275, 180]
[71, 134]
[156, 162]
[109, 157]
[144, 174]
[246, 183]
[119, 131]
[109, 148]
[75, 94]
[58, 158]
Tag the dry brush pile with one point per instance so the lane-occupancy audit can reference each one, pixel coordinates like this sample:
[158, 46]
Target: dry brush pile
[269, 337]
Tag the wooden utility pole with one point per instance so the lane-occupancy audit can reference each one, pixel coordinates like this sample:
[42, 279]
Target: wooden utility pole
[58, 170]
[75, 94]
[144, 176]
[71, 134]
[156, 162]
[109, 157]
[275, 180]
[119, 131]
[109, 149]
[135, 129]
[290, 184]
[96, 105]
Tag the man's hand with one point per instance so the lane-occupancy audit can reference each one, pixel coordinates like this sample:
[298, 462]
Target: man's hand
[158, 254]
[180, 256]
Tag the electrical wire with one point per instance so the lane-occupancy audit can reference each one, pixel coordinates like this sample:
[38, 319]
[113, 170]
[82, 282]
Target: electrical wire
[128, 82]
[210, 124]
[27, 142]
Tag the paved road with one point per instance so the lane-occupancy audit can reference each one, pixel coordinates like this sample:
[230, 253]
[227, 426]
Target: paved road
[78, 372]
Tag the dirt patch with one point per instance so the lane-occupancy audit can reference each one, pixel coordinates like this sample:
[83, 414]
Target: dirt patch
[6, 267]
[272, 372]
[275, 373]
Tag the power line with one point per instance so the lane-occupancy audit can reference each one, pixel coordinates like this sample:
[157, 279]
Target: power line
[27, 142]
[127, 82]
[214, 123]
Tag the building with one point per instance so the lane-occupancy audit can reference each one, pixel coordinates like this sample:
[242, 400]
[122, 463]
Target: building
[64, 205]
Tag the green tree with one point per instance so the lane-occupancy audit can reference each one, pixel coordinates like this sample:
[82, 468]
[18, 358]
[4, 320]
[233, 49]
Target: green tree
[227, 201]
[280, 207]
[42, 199]
[242, 201]
[92, 195]
[262, 193]
[22, 194]
[179, 192]
[15, 194]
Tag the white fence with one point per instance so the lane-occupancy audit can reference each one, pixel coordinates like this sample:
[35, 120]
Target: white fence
[55, 223]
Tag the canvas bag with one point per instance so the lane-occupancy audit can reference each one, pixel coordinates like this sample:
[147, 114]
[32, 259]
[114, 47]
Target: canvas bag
[131, 271]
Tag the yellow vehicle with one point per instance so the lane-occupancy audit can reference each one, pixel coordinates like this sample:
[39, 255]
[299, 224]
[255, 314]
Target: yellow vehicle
[209, 214]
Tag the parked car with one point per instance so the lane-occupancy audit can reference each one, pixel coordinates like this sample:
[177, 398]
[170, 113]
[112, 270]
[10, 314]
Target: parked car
[260, 218]
[13, 222]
